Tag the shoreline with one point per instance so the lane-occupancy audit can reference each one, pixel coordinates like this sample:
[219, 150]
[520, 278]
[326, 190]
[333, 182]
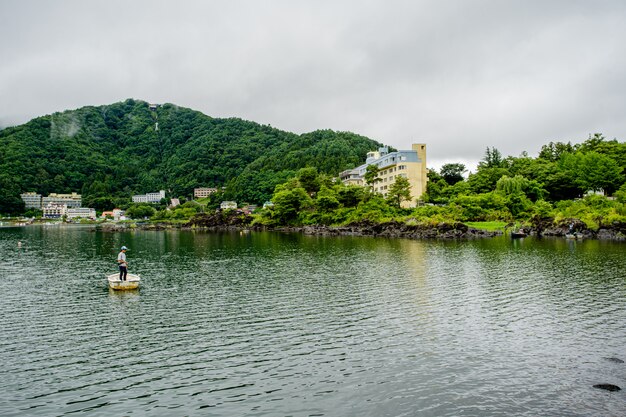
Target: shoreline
[568, 228]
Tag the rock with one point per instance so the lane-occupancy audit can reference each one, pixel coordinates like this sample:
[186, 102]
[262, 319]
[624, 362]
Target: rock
[395, 229]
[608, 387]
[548, 227]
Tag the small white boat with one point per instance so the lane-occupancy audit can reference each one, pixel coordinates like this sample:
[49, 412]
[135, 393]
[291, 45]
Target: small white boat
[131, 283]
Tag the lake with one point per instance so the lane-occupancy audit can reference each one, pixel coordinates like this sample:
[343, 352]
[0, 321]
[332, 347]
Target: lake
[272, 324]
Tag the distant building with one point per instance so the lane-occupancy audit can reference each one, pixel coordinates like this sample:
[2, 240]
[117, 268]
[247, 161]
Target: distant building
[351, 177]
[203, 192]
[57, 211]
[175, 202]
[80, 212]
[410, 164]
[73, 200]
[149, 197]
[153, 106]
[53, 211]
[228, 205]
[249, 208]
[31, 200]
[116, 214]
[268, 204]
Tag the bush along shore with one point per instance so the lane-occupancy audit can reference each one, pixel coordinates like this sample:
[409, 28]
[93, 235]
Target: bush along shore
[235, 221]
[454, 230]
[232, 220]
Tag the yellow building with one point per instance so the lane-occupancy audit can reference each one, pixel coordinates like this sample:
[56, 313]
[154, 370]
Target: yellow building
[73, 200]
[203, 192]
[410, 164]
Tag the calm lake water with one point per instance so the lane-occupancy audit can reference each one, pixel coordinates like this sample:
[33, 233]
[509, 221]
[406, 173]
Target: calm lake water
[270, 324]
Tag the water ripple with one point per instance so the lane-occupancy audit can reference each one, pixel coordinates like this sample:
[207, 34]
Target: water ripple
[271, 324]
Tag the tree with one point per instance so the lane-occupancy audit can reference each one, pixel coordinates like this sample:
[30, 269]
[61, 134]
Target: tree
[140, 211]
[307, 177]
[592, 171]
[371, 175]
[508, 185]
[599, 173]
[620, 195]
[453, 173]
[351, 195]
[610, 148]
[553, 151]
[288, 202]
[493, 159]
[326, 200]
[485, 179]
[433, 176]
[399, 191]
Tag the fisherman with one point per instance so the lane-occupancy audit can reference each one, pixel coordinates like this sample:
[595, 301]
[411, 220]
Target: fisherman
[121, 260]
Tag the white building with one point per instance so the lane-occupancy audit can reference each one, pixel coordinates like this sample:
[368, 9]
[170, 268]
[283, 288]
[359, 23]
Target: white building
[149, 197]
[228, 205]
[53, 211]
[31, 200]
[82, 212]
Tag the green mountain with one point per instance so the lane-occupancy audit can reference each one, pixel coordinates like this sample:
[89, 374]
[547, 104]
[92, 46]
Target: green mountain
[126, 148]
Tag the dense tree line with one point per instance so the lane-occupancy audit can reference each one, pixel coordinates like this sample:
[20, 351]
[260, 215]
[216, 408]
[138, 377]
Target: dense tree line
[109, 153]
[565, 181]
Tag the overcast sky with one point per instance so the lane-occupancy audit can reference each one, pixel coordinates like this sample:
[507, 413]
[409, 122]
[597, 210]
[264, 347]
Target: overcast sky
[458, 75]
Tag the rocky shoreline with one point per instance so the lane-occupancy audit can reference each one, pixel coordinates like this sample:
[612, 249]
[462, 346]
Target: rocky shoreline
[577, 229]
[224, 221]
[398, 230]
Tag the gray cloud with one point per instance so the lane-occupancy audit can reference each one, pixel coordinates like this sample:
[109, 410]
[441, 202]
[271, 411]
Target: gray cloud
[457, 75]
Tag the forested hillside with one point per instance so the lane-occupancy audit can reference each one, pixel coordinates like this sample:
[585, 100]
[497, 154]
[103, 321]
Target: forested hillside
[110, 152]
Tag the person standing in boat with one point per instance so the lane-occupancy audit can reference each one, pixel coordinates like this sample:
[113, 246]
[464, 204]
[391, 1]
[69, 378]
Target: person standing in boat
[121, 260]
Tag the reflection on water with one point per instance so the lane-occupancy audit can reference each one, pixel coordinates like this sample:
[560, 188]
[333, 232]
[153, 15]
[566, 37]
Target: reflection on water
[284, 324]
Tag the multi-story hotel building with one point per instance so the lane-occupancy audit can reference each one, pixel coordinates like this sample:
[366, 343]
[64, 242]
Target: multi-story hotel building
[410, 164]
[57, 211]
[53, 211]
[149, 197]
[82, 212]
[73, 200]
[31, 200]
[203, 192]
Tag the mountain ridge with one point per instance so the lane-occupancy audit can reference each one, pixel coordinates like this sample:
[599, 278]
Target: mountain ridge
[112, 151]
